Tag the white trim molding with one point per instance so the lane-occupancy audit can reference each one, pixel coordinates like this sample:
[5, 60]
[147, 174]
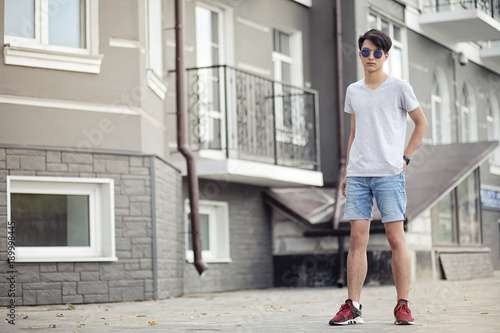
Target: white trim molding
[255, 173]
[100, 193]
[307, 3]
[40, 58]
[217, 213]
[126, 43]
[37, 52]
[156, 83]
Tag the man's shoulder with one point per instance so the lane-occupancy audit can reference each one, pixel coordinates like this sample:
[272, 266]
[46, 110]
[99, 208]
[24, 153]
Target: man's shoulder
[398, 82]
[356, 85]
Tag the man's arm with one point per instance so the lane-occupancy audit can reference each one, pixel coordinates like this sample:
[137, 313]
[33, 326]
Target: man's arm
[351, 139]
[418, 118]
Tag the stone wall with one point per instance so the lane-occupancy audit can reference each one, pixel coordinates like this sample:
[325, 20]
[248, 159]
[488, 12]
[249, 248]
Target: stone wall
[131, 277]
[250, 241]
[169, 230]
[491, 234]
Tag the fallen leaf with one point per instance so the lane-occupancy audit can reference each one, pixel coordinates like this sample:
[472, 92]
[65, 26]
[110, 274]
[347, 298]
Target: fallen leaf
[141, 316]
[107, 324]
[59, 315]
[151, 322]
[52, 326]
[25, 317]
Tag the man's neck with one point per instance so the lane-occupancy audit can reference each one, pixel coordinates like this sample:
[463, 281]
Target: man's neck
[375, 79]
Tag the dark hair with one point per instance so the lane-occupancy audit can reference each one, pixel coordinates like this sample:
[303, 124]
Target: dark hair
[377, 37]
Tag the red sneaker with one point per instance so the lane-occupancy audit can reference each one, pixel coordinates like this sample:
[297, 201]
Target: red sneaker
[347, 315]
[402, 313]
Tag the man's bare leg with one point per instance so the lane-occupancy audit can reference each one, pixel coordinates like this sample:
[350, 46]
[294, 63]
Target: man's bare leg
[401, 258]
[356, 259]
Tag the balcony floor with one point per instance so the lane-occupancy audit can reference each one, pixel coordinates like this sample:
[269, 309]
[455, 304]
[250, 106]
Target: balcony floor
[255, 173]
[462, 26]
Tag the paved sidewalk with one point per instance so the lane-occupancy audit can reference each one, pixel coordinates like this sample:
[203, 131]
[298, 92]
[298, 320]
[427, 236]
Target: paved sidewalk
[438, 306]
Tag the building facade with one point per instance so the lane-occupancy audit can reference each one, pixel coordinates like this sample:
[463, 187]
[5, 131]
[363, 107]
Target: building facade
[449, 52]
[91, 178]
[90, 173]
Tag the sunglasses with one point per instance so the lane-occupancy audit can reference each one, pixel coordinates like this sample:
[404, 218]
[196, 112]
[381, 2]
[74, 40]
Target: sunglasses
[377, 53]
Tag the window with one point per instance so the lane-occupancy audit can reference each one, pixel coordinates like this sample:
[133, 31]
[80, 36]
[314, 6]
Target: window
[468, 210]
[209, 45]
[154, 39]
[441, 127]
[56, 34]
[437, 119]
[456, 217]
[444, 220]
[283, 63]
[469, 127]
[214, 225]
[290, 120]
[396, 64]
[493, 128]
[62, 219]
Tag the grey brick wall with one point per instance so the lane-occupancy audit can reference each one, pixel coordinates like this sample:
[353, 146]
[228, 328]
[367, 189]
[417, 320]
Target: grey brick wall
[131, 277]
[170, 230]
[250, 234]
[491, 234]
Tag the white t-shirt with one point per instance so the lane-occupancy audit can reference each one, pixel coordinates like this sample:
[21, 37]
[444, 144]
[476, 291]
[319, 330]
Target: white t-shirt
[378, 146]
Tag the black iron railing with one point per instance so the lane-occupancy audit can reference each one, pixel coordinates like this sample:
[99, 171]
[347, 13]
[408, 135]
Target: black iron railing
[249, 117]
[490, 7]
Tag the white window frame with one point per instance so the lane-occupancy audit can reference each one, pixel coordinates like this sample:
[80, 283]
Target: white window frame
[436, 99]
[218, 225]
[495, 121]
[101, 217]
[226, 56]
[395, 43]
[295, 60]
[36, 52]
[154, 42]
[470, 110]
[445, 107]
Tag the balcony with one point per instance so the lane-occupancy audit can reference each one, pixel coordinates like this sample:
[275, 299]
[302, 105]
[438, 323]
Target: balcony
[254, 129]
[491, 52]
[463, 20]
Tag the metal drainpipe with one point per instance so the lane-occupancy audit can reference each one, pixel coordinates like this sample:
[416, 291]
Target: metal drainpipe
[341, 139]
[340, 110]
[153, 226]
[181, 139]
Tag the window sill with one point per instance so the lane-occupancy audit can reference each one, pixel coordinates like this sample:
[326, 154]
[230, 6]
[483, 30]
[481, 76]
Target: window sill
[65, 259]
[156, 84]
[39, 58]
[495, 169]
[212, 260]
[461, 249]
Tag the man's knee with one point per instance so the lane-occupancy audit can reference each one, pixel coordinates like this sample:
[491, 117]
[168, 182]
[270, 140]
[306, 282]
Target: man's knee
[396, 240]
[359, 240]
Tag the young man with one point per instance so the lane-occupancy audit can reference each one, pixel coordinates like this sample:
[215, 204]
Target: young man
[376, 162]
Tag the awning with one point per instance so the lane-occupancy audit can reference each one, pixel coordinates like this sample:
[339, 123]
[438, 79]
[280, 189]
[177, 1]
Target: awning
[434, 171]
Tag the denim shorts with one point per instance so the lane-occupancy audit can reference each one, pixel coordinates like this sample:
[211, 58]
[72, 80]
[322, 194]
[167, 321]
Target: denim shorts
[389, 192]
